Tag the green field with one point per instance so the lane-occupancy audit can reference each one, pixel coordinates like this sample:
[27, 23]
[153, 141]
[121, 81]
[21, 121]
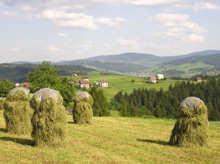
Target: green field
[123, 83]
[190, 69]
[111, 140]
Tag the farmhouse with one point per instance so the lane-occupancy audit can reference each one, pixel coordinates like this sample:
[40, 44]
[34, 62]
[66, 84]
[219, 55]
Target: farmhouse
[103, 83]
[160, 76]
[152, 79]
[84, 84]
[198, 79]
[85, 78]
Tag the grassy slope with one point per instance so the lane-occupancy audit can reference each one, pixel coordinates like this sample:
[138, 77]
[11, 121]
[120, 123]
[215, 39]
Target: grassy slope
[188, 68]
[111, 140]
[118, 82]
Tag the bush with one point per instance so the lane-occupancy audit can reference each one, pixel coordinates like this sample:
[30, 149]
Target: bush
[18, 112]
[49, 119]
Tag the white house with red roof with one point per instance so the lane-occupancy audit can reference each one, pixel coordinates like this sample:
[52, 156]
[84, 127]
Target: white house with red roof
[152, 79]
[85, 78]
[84, 84]
[103, 83]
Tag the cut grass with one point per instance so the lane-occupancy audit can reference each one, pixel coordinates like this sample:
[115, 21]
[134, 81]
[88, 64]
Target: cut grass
[111, 140]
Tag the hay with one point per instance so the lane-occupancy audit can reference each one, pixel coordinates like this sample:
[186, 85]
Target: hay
[82, 110]
[2, 99]
[49, 119]
[191, 126]
[17, 111]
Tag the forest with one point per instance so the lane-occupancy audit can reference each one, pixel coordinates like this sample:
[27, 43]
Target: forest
[165, 104]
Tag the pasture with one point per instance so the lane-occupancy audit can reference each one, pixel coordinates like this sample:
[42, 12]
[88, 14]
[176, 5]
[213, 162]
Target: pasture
[123, 83]
[111, 140]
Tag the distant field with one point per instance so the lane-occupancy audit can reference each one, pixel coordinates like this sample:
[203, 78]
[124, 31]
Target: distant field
[189, 69]
[111, 140]
[123, 83]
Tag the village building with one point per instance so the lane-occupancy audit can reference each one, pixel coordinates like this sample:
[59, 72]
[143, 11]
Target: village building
[26, 85]
[198, 79]
[160, 76]
[103, 83]
[84, 84]
[17, 84]
[152, 79]
[85, 78]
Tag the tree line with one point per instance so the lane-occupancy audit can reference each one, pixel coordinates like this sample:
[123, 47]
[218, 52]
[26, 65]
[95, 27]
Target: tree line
[165, 104]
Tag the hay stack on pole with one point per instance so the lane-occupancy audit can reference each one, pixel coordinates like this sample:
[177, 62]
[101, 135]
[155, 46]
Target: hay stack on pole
[82, 110]
[191, 126]
[17, 111]
[2, 99]
[49, 119]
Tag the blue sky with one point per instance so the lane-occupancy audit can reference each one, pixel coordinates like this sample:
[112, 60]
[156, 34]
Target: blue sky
[54, 30]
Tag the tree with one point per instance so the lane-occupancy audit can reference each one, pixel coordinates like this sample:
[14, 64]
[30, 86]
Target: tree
[45, 76]
[100, 105]
[5, 87]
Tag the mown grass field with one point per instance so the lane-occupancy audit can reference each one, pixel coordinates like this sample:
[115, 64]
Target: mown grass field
[123, 83]
[111, 140]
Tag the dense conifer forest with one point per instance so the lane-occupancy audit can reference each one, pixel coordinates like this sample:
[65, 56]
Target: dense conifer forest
[165, 104]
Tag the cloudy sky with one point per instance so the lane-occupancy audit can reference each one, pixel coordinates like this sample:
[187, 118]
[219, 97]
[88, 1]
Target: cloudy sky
[36, 30]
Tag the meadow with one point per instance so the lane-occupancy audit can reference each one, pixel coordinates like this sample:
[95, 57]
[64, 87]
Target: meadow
[111, 140]
[123, 83]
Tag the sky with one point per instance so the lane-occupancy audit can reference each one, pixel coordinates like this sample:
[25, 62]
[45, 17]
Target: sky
[56, 30]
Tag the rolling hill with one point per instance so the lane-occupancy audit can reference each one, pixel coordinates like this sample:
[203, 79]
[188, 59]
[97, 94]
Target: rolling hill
[18, 72]
[203, 62]
[182, 65]
[190, 66]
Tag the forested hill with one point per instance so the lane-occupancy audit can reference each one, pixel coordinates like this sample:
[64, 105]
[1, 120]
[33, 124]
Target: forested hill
[210, 60]
[18, 72]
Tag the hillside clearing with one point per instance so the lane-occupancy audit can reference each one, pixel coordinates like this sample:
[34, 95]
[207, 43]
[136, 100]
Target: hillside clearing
[111, 140]
[123, 83]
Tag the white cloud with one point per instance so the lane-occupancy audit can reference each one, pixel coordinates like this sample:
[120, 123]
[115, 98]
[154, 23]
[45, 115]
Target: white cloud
[64, 19]
[179, 26]
[153, 2]
[62, 34]
[87, 44]
[198, 6]
[133, 43]
[110, 21]
[14, 50]
[10, 14]
[52, 49]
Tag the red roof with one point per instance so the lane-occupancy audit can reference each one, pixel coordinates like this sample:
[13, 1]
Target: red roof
[84, 82]
[104, 81]
[152, 78]
[85, 77]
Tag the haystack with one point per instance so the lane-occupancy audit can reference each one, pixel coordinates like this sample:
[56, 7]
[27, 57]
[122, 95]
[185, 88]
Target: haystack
[17, 111]
[49, 119]
[191, 126]
[82, 110]
[2, 99]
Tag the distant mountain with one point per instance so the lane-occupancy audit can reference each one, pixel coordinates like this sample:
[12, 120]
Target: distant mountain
[190, 65]
[127, 62]
[183, 65]
[18, 72]
[201, 53]
[133, 62]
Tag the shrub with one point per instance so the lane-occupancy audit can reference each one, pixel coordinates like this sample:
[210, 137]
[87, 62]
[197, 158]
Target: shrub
[49, 119]
[191, 126]
[18, 112]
